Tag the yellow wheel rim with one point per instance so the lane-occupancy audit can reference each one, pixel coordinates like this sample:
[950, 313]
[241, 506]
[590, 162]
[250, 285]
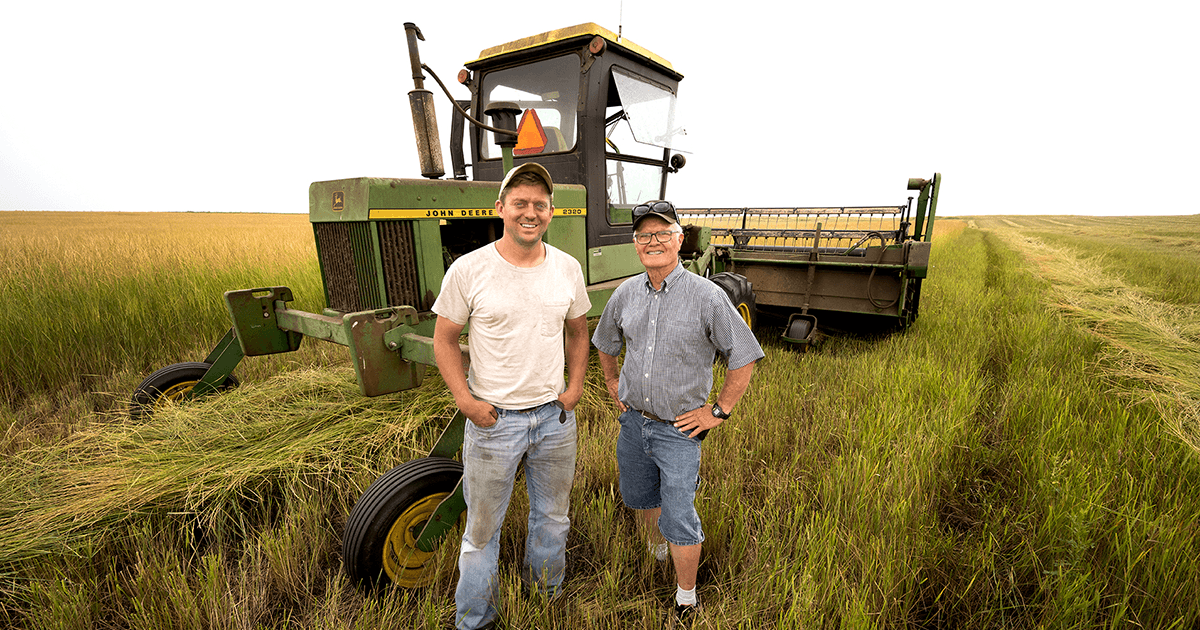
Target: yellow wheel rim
[176, 392]
[744, 311]
[402, 561]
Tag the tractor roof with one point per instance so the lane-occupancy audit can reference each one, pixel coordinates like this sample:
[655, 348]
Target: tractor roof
[562, 34]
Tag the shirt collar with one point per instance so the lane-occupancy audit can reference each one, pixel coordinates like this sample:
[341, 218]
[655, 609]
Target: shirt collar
[669, 280]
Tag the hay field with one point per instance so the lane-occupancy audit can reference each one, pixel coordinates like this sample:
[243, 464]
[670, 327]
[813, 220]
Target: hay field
[993, 466]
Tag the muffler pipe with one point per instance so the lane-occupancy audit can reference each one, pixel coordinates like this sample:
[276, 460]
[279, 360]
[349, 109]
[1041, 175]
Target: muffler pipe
[420, 100]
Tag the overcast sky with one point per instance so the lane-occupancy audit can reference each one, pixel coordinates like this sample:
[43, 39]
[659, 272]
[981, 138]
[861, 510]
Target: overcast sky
[1024, 107]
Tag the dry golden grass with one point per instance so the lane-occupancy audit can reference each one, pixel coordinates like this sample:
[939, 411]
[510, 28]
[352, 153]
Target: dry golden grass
[88, 295]
[109, 245]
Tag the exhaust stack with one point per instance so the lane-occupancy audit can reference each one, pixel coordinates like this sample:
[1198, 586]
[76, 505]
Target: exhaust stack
[429, 145]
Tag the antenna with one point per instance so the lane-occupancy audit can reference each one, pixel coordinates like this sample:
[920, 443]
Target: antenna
[620, 18]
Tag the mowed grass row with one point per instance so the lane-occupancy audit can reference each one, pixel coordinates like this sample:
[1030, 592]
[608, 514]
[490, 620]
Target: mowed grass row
[980, 470]
[96, 301]
[1137, 299]
[1157, 254]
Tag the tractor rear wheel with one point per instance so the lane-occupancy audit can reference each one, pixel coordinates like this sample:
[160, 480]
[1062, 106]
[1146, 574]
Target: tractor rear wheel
[171, 383]
[741, 293]
[380, 541]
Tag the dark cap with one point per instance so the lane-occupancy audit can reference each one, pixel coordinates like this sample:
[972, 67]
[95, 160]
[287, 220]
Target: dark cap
[530, 167]
[664, 210]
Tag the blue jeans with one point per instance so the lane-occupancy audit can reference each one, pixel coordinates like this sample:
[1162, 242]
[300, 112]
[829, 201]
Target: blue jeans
[490, 460]
[660, 467]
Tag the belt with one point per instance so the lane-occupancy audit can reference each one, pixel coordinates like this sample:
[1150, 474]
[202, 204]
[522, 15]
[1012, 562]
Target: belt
[562, 416]
[647, 414]
[650, 416]
[528, 409]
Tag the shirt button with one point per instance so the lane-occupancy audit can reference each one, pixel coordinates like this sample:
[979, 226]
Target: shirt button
[647, 376]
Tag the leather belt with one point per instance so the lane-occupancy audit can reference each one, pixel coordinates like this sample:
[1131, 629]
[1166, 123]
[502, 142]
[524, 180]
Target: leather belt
[647, 414]
[527, 409]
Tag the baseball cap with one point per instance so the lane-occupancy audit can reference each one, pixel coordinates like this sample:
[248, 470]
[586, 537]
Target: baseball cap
[665, 210]
[529, 167]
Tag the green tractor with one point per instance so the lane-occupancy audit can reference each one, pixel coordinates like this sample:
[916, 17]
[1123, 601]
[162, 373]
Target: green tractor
[598, 111]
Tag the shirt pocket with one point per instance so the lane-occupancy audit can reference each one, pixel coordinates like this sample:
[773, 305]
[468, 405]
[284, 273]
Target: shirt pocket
[554, 312]
[684, 341]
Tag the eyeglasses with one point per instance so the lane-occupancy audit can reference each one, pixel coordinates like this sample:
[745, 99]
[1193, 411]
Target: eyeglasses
[665, 208]
[662, 237]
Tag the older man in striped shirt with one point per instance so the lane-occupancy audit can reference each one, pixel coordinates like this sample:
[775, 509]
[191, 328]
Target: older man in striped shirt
[671, 324]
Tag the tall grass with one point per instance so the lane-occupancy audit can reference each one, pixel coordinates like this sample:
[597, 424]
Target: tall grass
[1150, 343]
[91, 295]
[983, 469]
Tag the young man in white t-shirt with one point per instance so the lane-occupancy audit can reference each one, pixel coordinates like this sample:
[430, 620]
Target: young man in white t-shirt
[519, 295]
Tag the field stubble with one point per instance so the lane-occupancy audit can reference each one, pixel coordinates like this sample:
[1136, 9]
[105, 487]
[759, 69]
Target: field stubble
[980, 470]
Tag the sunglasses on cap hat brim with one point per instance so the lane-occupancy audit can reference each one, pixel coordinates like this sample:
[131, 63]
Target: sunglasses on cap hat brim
[663, 208]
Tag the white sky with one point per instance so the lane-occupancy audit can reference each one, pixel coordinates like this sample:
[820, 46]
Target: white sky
[1024, 107]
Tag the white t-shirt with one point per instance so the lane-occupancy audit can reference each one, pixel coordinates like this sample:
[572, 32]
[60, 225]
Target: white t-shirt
[516, 317]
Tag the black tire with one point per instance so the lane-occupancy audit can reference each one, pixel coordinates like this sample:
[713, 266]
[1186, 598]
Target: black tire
[389, 516]
[171, 383]
[800, 328]
[740, 293]
[912, 303]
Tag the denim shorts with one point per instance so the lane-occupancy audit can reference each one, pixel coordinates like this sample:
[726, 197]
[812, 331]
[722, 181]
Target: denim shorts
[660, 467]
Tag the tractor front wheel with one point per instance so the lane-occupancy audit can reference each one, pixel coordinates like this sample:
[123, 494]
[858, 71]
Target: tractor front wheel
[740, 292]
[380, 541]
[172, 383]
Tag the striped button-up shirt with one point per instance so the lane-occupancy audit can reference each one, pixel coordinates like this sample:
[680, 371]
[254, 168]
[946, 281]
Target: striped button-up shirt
[671, 337]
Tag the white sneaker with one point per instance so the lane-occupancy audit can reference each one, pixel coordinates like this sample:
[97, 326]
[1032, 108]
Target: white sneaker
[660, 551]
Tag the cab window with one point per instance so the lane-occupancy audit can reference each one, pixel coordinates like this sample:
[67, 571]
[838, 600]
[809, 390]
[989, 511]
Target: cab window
[547, 92]
[640, 126]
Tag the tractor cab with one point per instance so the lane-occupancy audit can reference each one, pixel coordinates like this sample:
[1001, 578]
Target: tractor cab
[596, 110]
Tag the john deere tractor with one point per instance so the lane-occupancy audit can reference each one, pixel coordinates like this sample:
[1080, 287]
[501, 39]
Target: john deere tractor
[598, 111]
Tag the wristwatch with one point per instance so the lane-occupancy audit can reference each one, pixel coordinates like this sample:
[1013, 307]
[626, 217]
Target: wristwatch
[718, 412]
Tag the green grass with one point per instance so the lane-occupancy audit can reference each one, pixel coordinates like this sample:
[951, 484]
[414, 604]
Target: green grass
[992, 467]
[1157, 254]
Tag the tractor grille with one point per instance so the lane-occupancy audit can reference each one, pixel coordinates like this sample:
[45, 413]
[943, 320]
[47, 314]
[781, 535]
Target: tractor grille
[348, 264]
[400, 264]
[351, 270]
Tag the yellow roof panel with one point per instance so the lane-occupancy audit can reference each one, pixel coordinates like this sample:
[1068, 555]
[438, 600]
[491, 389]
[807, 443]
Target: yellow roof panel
[588, 28]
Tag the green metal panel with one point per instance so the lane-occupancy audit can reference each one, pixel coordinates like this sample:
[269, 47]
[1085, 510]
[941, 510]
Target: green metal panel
[613, 261]
[222, 361]
[379, 369]
[377, 262]
[255, 322]
[430, 269]
[937, 186]
[339, 200]
[451, 440]
[568, 229]
[444, 517]
[424, 194]
[598, 298]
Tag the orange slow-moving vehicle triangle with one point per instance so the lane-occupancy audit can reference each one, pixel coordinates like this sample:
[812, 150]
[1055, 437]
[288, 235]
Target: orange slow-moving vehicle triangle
[531, 137]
